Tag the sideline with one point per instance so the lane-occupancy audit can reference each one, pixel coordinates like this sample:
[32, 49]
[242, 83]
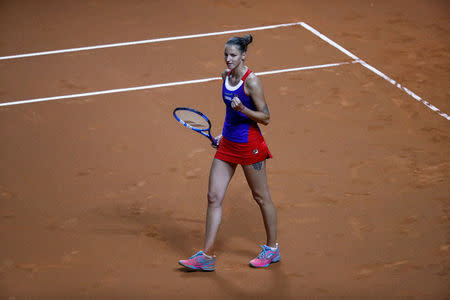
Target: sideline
[374, 70]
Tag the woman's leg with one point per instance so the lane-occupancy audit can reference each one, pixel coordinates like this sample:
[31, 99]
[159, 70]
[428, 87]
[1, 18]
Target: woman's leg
[257, 181]
[219, 178]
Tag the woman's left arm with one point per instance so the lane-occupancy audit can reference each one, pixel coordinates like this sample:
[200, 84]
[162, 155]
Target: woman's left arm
[253, 88]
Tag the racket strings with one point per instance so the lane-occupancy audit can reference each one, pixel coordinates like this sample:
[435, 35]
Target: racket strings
[193, 119]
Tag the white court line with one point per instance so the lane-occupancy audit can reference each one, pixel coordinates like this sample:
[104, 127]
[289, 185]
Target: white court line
[148, 41]
[304, 25]
[153, 86]
[376, 71]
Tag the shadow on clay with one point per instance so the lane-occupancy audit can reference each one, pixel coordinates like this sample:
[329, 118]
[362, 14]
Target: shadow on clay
[164, 227]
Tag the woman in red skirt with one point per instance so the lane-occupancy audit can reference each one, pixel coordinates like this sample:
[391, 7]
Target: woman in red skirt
[241, 143]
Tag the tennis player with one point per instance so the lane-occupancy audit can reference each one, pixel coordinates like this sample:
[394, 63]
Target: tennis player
[241, 143]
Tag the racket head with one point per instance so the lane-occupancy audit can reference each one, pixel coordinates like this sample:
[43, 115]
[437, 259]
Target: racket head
[192, 119]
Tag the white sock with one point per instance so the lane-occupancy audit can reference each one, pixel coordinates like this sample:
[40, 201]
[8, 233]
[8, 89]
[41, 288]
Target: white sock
[274, 249]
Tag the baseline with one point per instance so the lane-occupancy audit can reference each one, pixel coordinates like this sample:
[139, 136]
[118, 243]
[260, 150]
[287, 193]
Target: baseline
[157, 40]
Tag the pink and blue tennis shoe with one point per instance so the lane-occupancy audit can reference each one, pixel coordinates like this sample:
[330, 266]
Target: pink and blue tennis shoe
[199, 261]
[266, 257]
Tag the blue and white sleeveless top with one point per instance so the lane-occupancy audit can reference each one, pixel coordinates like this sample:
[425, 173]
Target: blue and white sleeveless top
[237, 126]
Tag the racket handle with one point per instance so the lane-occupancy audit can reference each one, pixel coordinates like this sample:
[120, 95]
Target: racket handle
[214, 143]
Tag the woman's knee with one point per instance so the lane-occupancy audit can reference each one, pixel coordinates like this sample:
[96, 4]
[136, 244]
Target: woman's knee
[214, 199]
[262, 198]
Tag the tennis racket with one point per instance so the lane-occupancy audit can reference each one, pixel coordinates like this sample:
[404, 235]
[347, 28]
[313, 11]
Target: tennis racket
[195, 120]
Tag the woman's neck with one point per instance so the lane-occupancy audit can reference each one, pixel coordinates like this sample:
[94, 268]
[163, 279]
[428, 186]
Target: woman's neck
[239, 71]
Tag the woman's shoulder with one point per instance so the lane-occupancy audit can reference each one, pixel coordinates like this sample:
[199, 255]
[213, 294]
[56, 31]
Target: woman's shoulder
[252, 80]
[225, 73]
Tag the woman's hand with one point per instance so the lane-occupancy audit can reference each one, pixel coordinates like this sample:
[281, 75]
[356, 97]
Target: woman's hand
[218, 139]
[236, 104]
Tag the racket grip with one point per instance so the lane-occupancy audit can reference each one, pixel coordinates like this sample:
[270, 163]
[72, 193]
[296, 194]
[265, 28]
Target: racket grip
[214, 143]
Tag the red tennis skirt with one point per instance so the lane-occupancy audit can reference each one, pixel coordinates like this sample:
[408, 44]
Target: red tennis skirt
[248, 153]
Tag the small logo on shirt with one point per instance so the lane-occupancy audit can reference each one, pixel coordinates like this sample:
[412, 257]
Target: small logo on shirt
[255, 151]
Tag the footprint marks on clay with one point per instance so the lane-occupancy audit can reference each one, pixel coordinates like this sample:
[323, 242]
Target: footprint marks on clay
[295, 275]
[406, 226]
[5, 194]
[406, 106]
[320, 201]
[193, 174]
[355, 194]
[209, 65]
[391, 169]
[311, 220]
[437, 135]
[119, 148]
[359, 229]
[298, 172]
[191, 171]
[298, 205]
[235, 266]
[195, 152]
[70, 257]
[86, 172]
[136, 185]
[91, 171]
[32, 117]
[33, 268]
[396, 266]
[444, 250]
[432, 174]
[283, 90]
[153, 232]
[356, 171]
[137, 208]
[71, 85]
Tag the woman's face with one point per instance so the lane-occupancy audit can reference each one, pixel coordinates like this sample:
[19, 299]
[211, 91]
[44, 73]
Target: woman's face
[233, 56]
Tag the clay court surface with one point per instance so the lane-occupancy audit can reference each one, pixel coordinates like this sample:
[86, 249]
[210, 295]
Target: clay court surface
[100, 196]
